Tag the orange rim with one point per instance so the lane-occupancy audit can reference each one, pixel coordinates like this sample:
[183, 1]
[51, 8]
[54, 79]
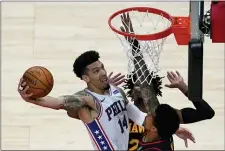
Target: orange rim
[154, 36]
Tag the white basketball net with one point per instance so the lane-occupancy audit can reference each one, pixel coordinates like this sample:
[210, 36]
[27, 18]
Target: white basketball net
[149, 52]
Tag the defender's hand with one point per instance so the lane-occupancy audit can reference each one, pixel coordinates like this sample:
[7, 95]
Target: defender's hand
[22, 89]
[127, 25]
[185, 134]
[117, 79]
[176, 80]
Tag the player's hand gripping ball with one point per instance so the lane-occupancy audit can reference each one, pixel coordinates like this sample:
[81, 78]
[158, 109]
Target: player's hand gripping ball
[40, 81]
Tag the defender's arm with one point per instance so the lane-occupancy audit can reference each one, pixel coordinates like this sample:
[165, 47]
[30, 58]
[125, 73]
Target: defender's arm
[202, 112]
[147, 91]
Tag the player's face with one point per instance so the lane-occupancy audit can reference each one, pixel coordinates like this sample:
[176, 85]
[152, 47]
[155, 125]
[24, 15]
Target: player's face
[149, 124]
[97, 76]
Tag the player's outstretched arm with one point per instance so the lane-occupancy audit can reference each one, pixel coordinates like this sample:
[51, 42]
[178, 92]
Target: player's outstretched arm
[203, 110]
[49, 102]
[67, 102]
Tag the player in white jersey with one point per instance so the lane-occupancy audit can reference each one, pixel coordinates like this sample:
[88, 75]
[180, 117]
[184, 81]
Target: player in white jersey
[102, 107]
[114, 122]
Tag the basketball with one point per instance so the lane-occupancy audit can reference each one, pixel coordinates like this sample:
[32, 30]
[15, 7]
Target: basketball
[40, 81]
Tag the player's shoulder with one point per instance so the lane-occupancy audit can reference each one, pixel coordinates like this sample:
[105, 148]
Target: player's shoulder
[117, 88]
[122, 93]
[82, 93]
[71, 98]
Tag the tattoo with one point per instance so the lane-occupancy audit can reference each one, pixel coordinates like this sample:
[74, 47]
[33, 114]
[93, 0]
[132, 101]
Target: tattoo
[147, 91]
[81, 100]
[96, 106]
[82, 93]
[139, 63]
[149, 97]
[73, 102]
[126, 101]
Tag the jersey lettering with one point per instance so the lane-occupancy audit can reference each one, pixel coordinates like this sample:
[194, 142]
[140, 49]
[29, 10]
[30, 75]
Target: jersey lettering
[136, 133]
[134, 128]
[115, 109]
[134, 144]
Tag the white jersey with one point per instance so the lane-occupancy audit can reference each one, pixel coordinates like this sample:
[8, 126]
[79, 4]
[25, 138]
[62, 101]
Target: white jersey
[109, 131]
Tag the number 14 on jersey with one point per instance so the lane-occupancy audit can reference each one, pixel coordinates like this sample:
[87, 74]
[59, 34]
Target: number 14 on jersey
[123, 124]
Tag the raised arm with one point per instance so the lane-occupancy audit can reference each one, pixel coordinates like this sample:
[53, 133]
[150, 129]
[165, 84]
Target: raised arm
[139, 63]
[147, 91]
[203, 110]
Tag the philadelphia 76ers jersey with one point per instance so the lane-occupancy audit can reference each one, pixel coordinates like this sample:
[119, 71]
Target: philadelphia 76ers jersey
[109, 131]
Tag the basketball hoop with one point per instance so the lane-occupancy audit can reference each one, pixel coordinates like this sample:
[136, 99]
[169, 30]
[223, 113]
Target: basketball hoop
[147, 10]
[151, 27]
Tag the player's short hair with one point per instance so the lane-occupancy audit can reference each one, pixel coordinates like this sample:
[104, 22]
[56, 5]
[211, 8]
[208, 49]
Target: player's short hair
[85, 59]
[166, 121]
[129, 85]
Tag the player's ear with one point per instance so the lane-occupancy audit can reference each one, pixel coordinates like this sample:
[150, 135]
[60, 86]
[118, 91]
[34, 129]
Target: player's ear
[85, 78]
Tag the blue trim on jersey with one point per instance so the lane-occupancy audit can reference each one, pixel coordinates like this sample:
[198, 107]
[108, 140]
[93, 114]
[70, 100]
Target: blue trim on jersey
[98, 136]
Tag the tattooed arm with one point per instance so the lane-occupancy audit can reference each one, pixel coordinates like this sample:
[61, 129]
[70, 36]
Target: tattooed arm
[63, 102]
[68, 102]
[78, 107]
[139, 63]
[149, 97]
[50, 102]
[147, 91]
